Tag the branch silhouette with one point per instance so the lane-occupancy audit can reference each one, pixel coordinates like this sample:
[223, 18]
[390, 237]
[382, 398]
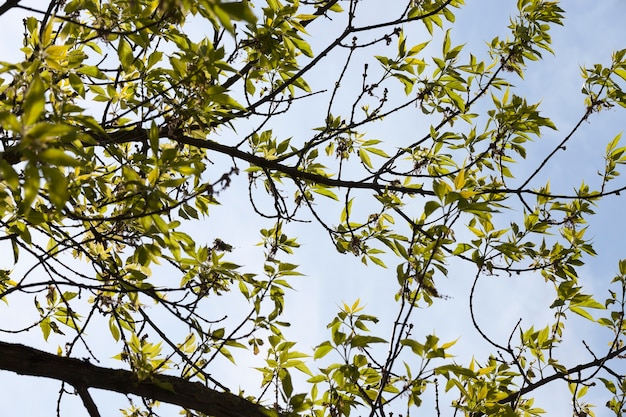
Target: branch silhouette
[25, 360]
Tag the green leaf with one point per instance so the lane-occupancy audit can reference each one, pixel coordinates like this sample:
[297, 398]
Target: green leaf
[365, 158]
[31, 186]
[322, 350]
[316, 379]
[77, 84]
[326, 192]
[57, 157]
[226, 353]
[377, 151]
[417, 48]
[581, 312]
[303, 46]
[621, 72]
[239, 10]
[125, 54]
[9, 175]
[93, 71]
[377, 261]
[414, 12]
[115, 331]
[34, 101]
[365, 341]
[456, 370]
[57, 185]
[286, 383]
[45, 328]
[415, 346]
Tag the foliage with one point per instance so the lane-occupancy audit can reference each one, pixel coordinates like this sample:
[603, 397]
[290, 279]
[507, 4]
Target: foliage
[125, 123]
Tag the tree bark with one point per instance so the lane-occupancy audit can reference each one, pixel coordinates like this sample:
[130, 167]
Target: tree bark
[25, 360]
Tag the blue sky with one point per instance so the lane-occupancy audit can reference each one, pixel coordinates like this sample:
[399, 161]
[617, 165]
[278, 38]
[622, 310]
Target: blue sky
[592, 31]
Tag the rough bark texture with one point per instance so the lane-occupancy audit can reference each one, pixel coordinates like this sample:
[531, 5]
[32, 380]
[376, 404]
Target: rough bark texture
[25, 360]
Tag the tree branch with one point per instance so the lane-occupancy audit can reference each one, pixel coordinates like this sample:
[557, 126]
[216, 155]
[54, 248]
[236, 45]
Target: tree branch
[598, 362]
[140, 135]
[88, 402]
[8, 5]
[25, 360]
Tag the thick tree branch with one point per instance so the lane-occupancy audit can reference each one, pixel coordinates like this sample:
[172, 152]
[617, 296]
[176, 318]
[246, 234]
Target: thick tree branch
[8, 5]
[88, 402]
[139, 135]
[293, 172]
[598, 362]
[25, 360]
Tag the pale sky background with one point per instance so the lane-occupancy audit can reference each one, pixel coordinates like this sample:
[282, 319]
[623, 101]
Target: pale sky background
[592, 31]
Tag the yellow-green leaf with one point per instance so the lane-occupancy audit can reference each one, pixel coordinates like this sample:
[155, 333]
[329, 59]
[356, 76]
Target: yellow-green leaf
[459, 181]
[57, 157]
[326, 193]
[34, 101]
[125, 53]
